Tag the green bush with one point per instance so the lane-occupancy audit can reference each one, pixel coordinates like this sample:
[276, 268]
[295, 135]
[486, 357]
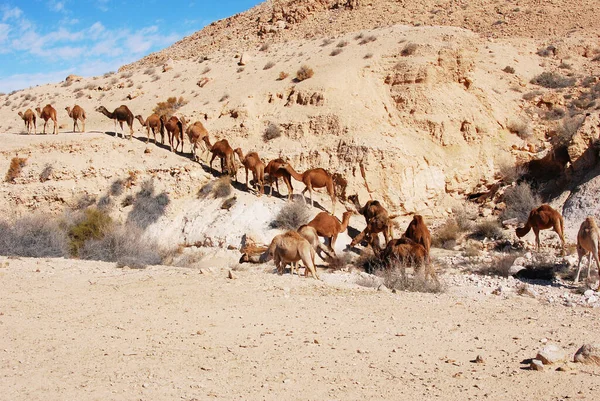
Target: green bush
[94, 224]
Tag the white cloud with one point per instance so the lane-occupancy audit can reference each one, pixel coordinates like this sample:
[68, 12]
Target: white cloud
[4, 30]
[102, 5]
[10, 13]
[56, 5]
[20, 81]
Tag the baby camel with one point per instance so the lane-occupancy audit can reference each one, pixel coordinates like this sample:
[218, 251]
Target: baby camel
[121, 114]
[196, 133]
[378, 221]
[330, 227]
[29, 119]
[225, 152]
[543, 218]
[587, 244]
[291, 247]
[252, 162]
[417, 231]
[274, 171]
[174, 128]
[314, 178]
[77, 113]
[47, 113]
[154, 124]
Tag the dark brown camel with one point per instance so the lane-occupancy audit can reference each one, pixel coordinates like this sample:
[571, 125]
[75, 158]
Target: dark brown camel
[29, 119]
[273, 172]
[313, 179]
[121, 114]
[47, 113]
[253, 163]
[403, 252]
[543, 218]
[417, 231]
[77, 113]
[175, 130]
[154, 124]
[222, 150]
[378, 221]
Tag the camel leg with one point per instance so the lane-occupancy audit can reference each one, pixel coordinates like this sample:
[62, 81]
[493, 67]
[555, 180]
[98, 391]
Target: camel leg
[55, 131]
[45, 122]
[247, 178]
[303, 197]
[537, 238]
[332, 243]
[74, 125]
[212, 160]
[358, 238]
[581, 254]
[83, 125]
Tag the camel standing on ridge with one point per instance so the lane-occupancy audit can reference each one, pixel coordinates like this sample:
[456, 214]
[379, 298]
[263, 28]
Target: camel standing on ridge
[29, 119]
[314, 178]
[378, 221]
[417, 231]
[291, 247]
[543, 218]
[175, 130]
[588, 240]
[196, 133]
[252, 162]
[121, 114]
[154, 124]
[330, 227]
[77, 113]
[222, 150]
[47, 113]
[274, 172]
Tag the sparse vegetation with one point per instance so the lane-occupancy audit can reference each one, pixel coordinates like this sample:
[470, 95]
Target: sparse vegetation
[499, 266]
[368, 39]
[488, 229]
[291, 216]
[241, 69]
[114, 80]
[520, 127]
[553, 80]
[282, 75]
[567, 128]
[92, 224]
[368, 56]
[336, 51]
[397, 279]
[147, 207]
[15, 168]
[565, 66]
[409, 49]
[155, 77]
[508, 69]
[269, 65]
[33, 237]
[206, 70]
[218, 188]
[265, 46]
[520, 200]
[169, 107]
[149, 71]
[304, 73]
[46, 173]
[326, 42]
[90, 86]
[273, 131]
[547, 51]
[510, 172]
[342, 43]
[446, 235]
[224, 97]
[532, 95]
[126, 75]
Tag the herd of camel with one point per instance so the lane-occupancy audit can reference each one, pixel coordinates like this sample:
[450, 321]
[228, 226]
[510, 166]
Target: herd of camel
[302, 245]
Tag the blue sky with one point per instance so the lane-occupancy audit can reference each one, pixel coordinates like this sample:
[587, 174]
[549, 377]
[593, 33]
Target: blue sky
[43, 41]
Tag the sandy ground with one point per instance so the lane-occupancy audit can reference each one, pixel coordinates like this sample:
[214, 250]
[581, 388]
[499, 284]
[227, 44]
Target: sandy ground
[88, 331]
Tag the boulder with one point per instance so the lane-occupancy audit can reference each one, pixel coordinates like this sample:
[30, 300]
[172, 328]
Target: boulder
[73, 78]
[581, 150]
[536, 364]
[588, 354]
[550, 354]
[582, 202]
[168, 65]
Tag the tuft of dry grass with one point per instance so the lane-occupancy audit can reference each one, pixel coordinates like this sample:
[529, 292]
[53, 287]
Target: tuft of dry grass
[46, 173]
[169, 107]
[409, 49]
[368, 39]
[336, 51]
[282, 75]
[342, 43]
[553, 80]
[34, 236]
[291, 216]
[508, 69]
[269, 65]
[488, 229]
[397, 279]
[93, 224]
[499, 266]
[15, 168]
[273, 131]
[447, 234]
[520, 127]
[265, 46]
[519, 200]
[149, 71]
[304, 73]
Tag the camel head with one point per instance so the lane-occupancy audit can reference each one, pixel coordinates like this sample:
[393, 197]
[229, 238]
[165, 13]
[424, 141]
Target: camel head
[99, 109]
[68, 109]
[39, 111]
[238, 151]
[20, 114]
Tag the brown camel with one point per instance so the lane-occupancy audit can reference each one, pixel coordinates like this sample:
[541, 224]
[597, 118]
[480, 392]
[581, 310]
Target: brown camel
[47, 113]
[154, 124]
[291, 247]
[253, 163]
[225, 152]
[543, 218]
[29, 119]
[378, 221]
[121, 114]
[314, 178]
[408, 253]
[175, 130]
[196, 132]
[417, 231]
[77, 113]
[273, 172]
[588, 240]
[330, 227]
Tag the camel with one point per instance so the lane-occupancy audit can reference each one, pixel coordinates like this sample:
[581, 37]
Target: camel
[311, 235]
[47, 113]
[121, 114]
[196, 133]
[588, 240]
[154, 124]
[29, 119]
[314, 178]
[224, 151]
[417, 231]
[175, 130]
[378, 221]
[408, 253]
[77, 113]
[252, 162]
[543, 218]
[329, 226]
[274, 171]
[291, 247]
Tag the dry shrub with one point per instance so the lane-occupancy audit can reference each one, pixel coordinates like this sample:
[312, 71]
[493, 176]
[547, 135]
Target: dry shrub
[127, 201]
[447, 234]
[499, 266]
[556, 113]
[465, 216]
[368, 261]
[79, 95]
[368, 39]
[409, 49]
[126, 75]
[15, 168]
[567, 128]
[291, 216]
[519, 200]
[84, 201]
[202, 82]
[155, 78]
[34, 237]
[336, 51]
[241, 69]
[565, 66]
[218, 188]
[149, 71]
[547, 51]
[342, 43]
[92, 224]
[224, 97]
[46, 173]
[532, 95]
[397, 279]
[265, 46]
[269, 65]
[169, 107]
[340, 261]
[90, 86]
[326, 42]
[508, 69]
[282, 75]
[553, 80]
[368, 55]
[147, 207]
[520, 127]
[471, 251]
[488, 229]
[509, 171]
[303, 73]
[206, 70]
[273, 131]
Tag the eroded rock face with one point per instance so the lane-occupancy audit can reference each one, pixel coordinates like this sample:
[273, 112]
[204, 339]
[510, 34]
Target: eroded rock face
[581, 203]
[582, 153]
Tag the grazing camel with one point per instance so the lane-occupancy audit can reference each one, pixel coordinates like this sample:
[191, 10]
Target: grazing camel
[417, 231]
[77, 113]
[121, 114]
[588, 240]
[154, 124]
[29, 119]
[314, 178]
[252, 162]
[47, 113]
[274, 171]
[378, 221]
[329, 226]
[543, 218]
[311, 235]
[196, 132]
[174, 128]
[225, 152]
[408, 253]
[291, 247]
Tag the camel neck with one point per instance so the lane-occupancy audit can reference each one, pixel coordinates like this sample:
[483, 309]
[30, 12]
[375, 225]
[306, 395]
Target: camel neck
[207, 141]
[293, 173]
[345, 221]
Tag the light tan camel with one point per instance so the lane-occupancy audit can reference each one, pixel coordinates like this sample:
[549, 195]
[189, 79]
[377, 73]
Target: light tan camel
[543, 218]
[588, 240]
[417, 231]
[253, 163]
[330, 227]
[175, 130]
[291, 247]
[47, 113]
[311, 235]
[273, 172]
[29, 119]
[196, 133]
[313, 179]
[121, 114]
[222, 150]
[77, 113]
[378, 221]
[154, 124]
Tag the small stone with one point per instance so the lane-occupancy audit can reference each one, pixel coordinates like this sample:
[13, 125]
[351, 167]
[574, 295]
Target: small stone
[536, 364]
[479, 359]
[231, 276]
[588, 293]
[592, 299]
[588, 354]
[550, 354]
[244, 58]
[383, 288]
[145, 385]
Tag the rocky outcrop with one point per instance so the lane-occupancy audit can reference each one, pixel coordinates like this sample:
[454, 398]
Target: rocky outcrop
[581, 148]
[588, 354]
